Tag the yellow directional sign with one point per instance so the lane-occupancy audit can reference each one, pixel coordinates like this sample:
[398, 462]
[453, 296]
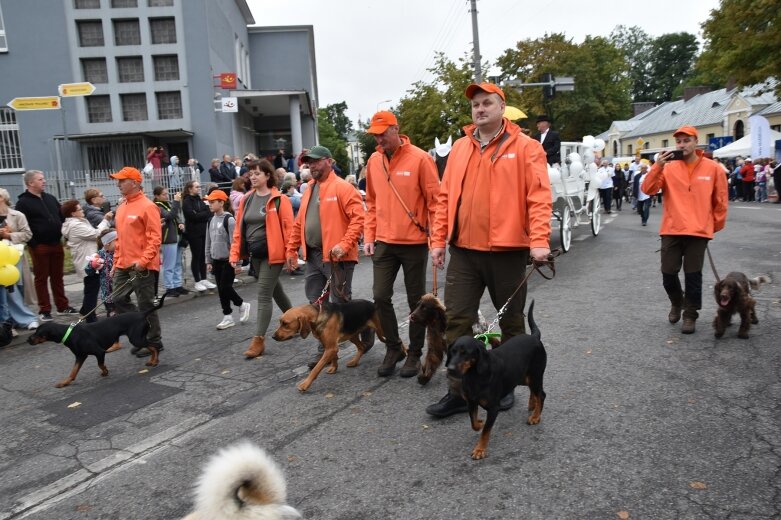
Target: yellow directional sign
[76, 89]
[35, 103]
[640, 141]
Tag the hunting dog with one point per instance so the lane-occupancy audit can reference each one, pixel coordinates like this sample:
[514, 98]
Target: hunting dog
[95, 339]
[733, 296]
[242, 482]
[331, 323]
[487, 376]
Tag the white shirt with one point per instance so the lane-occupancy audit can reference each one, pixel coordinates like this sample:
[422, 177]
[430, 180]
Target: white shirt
[641, 195]
[608, 174]
[542, 136]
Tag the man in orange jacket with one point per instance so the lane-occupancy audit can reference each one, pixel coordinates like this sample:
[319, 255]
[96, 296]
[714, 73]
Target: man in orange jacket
[494, 209]
[137, 253]
[400, 178]
[695, 207]
[327, 228]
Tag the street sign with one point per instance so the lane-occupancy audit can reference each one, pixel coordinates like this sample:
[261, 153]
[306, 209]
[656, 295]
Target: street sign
[230, 104]
[228, 80]
[564, 83]
[714, 143]
[35, 103]
[640, 141]
[76, 89]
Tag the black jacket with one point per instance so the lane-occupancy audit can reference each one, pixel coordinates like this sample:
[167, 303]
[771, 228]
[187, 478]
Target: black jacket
[43, 215]
[169, 214]
[552, 146]
[217, 175]
[196, 215]
[228, 171]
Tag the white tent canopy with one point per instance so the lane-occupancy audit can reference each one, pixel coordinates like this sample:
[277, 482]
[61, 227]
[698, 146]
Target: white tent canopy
[742, 147]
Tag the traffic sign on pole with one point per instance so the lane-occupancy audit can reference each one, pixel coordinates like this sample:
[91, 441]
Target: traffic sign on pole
[35, 103]
[76, 89]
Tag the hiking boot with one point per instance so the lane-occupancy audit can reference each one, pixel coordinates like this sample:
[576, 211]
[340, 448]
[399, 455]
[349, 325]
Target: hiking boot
[412, 363]
[392, 356]
[145, 352]
[447, 406]
[675, 313]
[256, 348]
[688, 326]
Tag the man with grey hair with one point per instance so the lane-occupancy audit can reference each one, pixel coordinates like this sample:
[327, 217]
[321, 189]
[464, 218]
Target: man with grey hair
[43, 214]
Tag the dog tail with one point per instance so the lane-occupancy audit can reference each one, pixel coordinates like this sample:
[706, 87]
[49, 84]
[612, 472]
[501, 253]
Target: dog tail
[759, 280]
[239, 477]
[153, 309]
[533, 326]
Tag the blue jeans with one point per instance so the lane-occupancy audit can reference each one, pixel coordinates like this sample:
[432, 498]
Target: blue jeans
[18, 312]
[762, 192]
[170, 257]
[645, 209]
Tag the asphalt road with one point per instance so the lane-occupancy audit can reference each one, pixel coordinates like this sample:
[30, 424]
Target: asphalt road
[639, 422]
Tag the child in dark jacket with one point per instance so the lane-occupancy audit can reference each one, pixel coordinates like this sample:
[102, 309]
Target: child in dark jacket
[101, 263]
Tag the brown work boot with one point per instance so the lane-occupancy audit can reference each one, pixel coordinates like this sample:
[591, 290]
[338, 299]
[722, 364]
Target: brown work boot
[412, 364]
[688, 325]
[256, 348]
[675, 313]
[393, 354]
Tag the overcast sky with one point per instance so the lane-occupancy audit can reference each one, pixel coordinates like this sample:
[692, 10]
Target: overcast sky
[372, 51]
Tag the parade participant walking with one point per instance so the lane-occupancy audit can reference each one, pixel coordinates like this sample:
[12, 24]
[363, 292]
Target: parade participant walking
[263, 223]
[137, 254]
[494, 209]
[695, 207]
[402, 185]
[196, 214]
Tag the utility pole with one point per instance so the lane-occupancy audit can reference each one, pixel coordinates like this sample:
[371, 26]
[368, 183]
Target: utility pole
[476, 43]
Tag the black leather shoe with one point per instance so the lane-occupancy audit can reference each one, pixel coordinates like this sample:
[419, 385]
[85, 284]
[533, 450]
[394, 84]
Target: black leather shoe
[507, 402]
[447, 406]
[145, 352]
[172, 293]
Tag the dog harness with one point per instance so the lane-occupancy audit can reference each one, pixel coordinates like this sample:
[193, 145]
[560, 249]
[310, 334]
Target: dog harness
[68, 332]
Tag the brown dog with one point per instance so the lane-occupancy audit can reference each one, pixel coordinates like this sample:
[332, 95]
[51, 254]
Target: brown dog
[331, 323]
[734, 296]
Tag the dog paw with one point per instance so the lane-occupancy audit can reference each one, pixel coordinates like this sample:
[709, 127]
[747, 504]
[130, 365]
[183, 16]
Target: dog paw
[331, 370]
[477, 425]
[718, 333]
[303, 386]
[478, 453]
[104, 373]
[352, 363]
[424, 378]
[151, 363]
[533, 419]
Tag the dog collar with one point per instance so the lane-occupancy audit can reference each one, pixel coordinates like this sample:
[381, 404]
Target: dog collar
[486, 338]
[68, 332]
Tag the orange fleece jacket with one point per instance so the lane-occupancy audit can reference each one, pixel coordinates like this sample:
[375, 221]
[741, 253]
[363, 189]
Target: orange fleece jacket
[515, 177]
[276, 235]
[694, 200]
[139, 233]
[414, 174]
[341, 218]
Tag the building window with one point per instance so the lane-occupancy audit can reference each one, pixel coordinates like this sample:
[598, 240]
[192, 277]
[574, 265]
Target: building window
[166, 67]
[86, 4]
[134, 107]
[646, 146]
[98, 109]
[169, 105]
[3, 40]
[708, 137]
[124, 3]
[160, 3]
[90, 33]
[665, 143]
[163, 30]
[127, 32]
[94, 70]
[10, 150]
[629, 149]
[130, 69]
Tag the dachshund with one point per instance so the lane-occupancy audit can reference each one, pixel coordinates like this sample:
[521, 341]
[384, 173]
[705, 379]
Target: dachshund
[331, 323]
[733, 296]
[95, 339]
[487, 376]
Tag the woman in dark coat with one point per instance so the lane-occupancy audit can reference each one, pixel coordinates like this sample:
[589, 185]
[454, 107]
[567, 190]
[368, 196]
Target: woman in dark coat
[196, 218]
[619, 186]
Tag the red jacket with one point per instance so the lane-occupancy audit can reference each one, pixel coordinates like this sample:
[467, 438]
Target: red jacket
[341, 218]
[519, 193]
[278, 227]
[747, 172]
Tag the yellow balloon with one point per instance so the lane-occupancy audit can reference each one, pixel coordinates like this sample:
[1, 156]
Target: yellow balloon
[6, 254]
[9, 275]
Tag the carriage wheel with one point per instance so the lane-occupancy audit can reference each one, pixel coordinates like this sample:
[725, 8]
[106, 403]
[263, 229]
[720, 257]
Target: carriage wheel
[565, 229]
[596, 217]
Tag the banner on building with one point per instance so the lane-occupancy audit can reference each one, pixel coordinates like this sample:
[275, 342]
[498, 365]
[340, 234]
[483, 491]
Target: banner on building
[760, 137]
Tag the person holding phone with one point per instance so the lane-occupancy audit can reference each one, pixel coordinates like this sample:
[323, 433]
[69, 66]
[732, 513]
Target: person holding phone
[695, 207]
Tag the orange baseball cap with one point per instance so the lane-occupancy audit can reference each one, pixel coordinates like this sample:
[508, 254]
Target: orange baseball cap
[686, 130]
[491, 88]
[381, 121]
[128, 172]
[217, 195]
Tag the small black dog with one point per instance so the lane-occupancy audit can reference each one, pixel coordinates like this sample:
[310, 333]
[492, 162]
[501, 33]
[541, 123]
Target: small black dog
[94, 339]
[487, 376]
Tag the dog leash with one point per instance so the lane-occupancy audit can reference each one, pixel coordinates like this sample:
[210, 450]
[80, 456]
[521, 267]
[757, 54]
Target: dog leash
[327, 288]
[712, 265]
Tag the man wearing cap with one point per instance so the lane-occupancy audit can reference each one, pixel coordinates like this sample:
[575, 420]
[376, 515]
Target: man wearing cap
[329, 222]
[550, 139]
[137, 253]
[494, 209]
[695, 207]
[402, 185]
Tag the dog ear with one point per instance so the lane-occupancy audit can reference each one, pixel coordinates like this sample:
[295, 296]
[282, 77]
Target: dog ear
[304, 327]
[482, 359]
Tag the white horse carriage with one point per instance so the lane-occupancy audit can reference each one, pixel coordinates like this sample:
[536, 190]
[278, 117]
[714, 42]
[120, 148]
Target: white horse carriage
[574, 189]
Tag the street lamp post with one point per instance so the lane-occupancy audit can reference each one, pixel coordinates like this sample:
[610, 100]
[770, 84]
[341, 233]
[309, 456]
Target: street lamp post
[381, 102]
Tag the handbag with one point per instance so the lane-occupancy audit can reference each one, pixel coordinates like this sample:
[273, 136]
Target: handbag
[258, 249]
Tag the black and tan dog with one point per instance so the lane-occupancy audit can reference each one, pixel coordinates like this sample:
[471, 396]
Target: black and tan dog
[733, 296]
[95, 339]
[487, 376]
[331, 323]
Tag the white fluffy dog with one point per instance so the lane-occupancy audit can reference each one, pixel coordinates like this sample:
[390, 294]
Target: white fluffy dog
[242, 482]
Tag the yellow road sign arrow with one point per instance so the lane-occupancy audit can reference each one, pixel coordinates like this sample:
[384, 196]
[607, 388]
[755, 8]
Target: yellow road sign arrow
[35, 103]
[76, 89]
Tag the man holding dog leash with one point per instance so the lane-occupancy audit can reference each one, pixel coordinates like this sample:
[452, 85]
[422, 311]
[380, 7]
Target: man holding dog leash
[402, 185]
[695, 207]
[494, 209]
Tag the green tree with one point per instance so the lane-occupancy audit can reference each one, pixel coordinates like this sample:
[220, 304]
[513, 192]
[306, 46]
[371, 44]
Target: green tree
[635, 43]
[331, 139]
[742, 41]
[338, 119]
[365, 141]
[671, 61]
